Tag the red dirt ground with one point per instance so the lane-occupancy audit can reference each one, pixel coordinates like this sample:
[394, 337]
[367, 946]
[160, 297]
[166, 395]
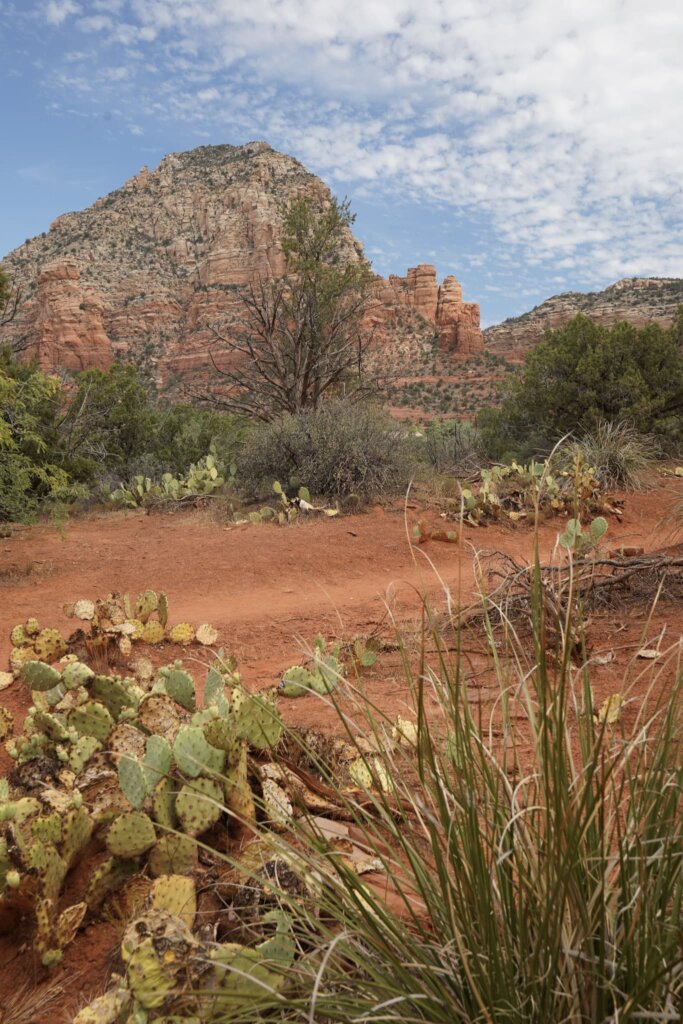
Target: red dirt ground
[269, 591]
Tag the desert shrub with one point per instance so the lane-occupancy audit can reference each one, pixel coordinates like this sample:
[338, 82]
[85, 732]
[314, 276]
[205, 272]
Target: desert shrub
[30, 470]
[582, 375]
[339, 450]
[452, 446]
[618, 453]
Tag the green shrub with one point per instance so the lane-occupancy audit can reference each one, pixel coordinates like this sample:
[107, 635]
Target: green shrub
[584, 374]
[340, 450]
[452, 446]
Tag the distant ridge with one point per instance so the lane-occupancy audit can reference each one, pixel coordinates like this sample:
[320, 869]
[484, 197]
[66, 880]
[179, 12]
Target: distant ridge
[639, 300]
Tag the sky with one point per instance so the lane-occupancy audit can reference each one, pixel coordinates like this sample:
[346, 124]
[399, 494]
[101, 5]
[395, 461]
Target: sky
[529, 147]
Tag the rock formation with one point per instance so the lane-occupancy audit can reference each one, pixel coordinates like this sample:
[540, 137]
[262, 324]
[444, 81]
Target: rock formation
[637, 300]
[145, 272]
[442, 305]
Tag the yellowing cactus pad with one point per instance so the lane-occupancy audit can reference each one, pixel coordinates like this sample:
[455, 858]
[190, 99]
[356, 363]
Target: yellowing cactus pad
[183, 633]
[125, 646]
[206, 634]
[153, 632]
[146, 604]
[176, 895]
[84, 609]
[19, 637]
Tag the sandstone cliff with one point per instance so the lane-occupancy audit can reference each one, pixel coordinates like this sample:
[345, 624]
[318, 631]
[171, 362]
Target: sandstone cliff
[637, 300]
[144, 272]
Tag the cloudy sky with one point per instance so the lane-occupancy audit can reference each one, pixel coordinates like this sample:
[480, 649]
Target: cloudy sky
[527, 146]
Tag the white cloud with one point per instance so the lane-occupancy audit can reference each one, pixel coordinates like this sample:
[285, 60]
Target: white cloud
[559, 121]
[57, 11]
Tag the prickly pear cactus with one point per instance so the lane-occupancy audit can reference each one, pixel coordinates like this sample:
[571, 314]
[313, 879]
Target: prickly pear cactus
[173, 855]
[199, 805]
[131, 835]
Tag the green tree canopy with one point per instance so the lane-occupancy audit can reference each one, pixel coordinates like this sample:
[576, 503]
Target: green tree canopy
[585, 373]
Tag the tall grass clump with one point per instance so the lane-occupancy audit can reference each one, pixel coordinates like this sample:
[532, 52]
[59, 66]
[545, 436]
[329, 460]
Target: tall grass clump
[531, 858]
[620, 454]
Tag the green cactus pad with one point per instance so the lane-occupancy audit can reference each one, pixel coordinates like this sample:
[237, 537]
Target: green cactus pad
[77, 828]
[131, 835]
[296, 682]
[132, 781]
[194, 755]
[177, 895]
[330, 671]
[180, 686]
[173, 854]
[157, 760]
[220, 733]
[113, 693]
[163, 803]
[47, 828]
[258, 722]
[91, 719]
[77, 674]
[52, 725]
[147, 603]
[81, 752]
[214, 688]
[39, 677]
[199, 806]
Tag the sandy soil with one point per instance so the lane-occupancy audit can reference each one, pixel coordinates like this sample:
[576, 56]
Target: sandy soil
[269, 591]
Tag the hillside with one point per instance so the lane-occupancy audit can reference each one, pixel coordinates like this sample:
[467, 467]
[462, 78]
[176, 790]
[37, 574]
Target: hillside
[145, 272]
[638, 300]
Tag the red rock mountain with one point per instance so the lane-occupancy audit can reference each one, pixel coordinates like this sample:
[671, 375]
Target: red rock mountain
[144, 272]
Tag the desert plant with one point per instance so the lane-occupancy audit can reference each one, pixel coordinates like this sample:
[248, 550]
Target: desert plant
[619, 454]
[340, 450]
[530, 863]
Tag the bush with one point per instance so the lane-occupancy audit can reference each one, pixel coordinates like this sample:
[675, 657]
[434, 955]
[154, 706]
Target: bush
[452, 446]
[585, 374]
[340, 450]
[619, 455]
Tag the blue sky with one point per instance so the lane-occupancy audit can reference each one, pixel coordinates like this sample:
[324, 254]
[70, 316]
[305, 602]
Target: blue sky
[526, 146]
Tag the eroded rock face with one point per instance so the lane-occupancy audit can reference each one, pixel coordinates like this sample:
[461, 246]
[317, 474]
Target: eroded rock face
[147, 271]
[69, 321]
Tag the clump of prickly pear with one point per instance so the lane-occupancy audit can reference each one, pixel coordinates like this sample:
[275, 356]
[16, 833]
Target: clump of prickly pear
[131, 835]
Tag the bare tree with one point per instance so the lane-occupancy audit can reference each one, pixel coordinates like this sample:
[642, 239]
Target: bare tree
[299, 338]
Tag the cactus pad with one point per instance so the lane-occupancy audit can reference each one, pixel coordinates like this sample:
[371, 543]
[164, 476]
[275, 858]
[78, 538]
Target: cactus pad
[296, 682]
[176, 894]
[39, 676]
[77, 827]
[49, 645]
[206, 634]
[147, 603]
[157, 760]
[220, 733]
[258, 722]
[183, 634]
[199, 805]
[81, 752]
[91, 719]
[153, 632]
[84, 609]
[132, 781]
[131, 835]
[194, 755]
[173, 854]
[32, 627]
[163, 803]
[162, 609]
[158, 714]
[19, 637]
[179, 685]
[76, 674]
[126, 739]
